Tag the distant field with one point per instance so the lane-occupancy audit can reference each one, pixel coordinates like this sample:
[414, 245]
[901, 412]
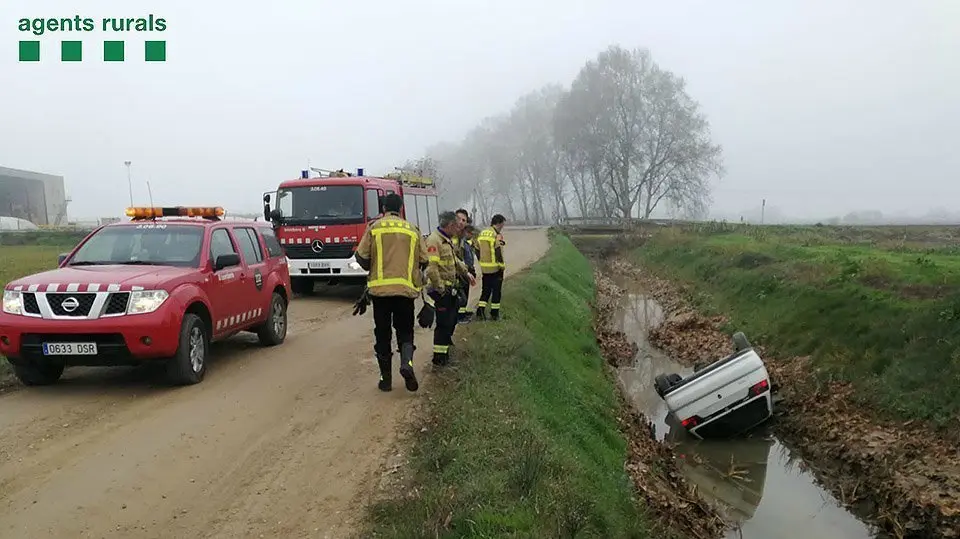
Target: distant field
[879, 306]
[21, 260]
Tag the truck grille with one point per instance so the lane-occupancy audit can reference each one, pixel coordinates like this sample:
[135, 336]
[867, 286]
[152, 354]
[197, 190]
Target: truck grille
[30, 304]
[84, 303]
[330, 250]
[117, 303]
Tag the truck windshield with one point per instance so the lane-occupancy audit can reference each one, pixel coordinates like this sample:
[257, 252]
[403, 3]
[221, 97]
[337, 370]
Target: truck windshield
[154, 243]
[321, 204]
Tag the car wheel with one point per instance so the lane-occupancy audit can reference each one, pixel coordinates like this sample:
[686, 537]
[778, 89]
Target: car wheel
[274, 330]
[42, 372]
[190, 362]
[740, 342]
[663, 382]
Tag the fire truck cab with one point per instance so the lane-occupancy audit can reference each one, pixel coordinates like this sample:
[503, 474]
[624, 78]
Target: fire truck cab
[319, 220]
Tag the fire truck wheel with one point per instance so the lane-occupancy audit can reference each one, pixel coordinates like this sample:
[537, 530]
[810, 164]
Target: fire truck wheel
[274, 330]
[38, 373]
[190, 363]
[301, 286]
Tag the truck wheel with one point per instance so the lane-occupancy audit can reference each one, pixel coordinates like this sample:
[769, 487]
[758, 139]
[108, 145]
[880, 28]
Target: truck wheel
[190, 362]
[301, 286]
[42, 372]
[274, 330]
[740, 342]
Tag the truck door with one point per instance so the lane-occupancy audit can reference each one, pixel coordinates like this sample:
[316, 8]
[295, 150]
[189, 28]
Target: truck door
[227, 286]
[256, 293]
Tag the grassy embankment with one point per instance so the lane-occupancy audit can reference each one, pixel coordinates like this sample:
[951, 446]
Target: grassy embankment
[522, 438]
[25, 253]
[880, 310]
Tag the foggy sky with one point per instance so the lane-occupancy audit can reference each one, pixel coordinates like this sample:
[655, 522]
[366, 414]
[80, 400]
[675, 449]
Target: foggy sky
[822, 107]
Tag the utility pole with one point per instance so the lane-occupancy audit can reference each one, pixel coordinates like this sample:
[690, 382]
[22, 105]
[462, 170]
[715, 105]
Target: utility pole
[150, 193]
[129, 182]
[763, 210]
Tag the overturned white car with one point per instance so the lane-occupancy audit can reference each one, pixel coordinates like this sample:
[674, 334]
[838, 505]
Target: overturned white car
[724, 398]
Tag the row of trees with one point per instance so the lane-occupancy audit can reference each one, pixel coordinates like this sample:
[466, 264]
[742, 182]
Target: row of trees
[624, 139]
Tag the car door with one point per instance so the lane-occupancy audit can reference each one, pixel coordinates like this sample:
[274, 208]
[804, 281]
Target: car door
[257, 295]
[227, 289]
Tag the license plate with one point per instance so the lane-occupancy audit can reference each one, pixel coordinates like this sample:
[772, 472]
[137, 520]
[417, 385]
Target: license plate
[318, 265]
[69, 348]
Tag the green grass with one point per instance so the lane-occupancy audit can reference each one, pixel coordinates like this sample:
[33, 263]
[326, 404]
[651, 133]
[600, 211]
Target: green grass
[523, 440]
[886, 319]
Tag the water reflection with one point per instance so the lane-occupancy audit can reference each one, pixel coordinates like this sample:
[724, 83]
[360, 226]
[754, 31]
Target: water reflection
[754, 479]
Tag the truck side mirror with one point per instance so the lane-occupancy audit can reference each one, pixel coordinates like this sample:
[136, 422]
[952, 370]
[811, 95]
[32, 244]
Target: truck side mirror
[61, 257]
[266, 211]
[226, 261]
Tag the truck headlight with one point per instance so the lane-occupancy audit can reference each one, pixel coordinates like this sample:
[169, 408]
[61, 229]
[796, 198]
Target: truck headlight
[12, 303]
[146, 301]
[354, 266]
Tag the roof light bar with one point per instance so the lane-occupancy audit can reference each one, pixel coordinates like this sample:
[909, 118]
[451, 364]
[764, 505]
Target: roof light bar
[207, 212]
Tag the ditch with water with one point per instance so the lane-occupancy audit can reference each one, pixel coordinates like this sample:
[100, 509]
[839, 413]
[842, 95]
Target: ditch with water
[760, 487]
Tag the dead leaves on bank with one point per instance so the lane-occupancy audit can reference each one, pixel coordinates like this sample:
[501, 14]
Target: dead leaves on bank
[650, 464]
[903, 476]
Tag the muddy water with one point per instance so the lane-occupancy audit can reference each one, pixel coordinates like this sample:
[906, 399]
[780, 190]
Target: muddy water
[755, 481]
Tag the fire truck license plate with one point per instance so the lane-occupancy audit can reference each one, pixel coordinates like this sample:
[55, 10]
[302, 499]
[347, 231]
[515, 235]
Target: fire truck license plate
[318, 265]
[69, 348]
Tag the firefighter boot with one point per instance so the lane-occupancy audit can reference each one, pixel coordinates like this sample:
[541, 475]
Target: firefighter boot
[386, 382]
[406, 366]
[481, 315]
[494, 314]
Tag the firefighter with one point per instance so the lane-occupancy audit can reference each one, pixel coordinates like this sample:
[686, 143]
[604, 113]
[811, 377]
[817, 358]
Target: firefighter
[469, 258]
[492, 266]
[464, 253]
[394, 249]
[444, 270]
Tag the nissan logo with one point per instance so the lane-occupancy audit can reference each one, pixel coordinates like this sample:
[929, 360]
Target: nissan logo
[70, 304]
[316, 246]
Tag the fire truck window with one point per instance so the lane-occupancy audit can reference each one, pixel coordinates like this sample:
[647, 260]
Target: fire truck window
[249, 245]
[373, 204]
[433, 213]
[220, 244]
[423, 213]
[273, 246]
[410, 208]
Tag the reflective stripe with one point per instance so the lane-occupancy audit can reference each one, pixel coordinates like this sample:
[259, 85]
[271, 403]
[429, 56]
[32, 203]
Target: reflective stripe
[494, 306]
[433, 258]
[394, 226]
[481, 304]
[441, 348]
[463, 310]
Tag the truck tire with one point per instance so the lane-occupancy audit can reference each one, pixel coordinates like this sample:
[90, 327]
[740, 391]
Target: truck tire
[274, 330]
[301, 286]
[663, 382]
[42, 372]
[190, 362]
[740, 342]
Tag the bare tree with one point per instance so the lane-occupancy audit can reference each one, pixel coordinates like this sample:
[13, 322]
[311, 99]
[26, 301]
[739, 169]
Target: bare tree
[625, 137]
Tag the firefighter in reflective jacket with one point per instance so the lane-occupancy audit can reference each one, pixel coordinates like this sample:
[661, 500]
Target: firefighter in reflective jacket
[492, 266]
[464, 251]
[393, 252]
[444, 270]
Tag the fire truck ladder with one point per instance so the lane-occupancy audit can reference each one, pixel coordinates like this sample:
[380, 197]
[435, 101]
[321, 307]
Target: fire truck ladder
[405, 177]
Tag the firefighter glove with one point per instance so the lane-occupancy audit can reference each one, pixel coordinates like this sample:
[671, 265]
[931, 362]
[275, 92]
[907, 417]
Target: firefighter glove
[360, 307]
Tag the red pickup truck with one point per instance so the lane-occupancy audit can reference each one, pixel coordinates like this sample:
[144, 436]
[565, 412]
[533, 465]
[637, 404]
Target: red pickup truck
[161, 286]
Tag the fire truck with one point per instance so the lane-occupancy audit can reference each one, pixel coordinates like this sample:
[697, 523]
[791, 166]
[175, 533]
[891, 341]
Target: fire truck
[320, 219]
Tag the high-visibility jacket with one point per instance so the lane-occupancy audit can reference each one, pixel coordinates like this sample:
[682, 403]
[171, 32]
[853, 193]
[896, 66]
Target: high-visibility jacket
[444, 268]
[491, 251]
[396, 252]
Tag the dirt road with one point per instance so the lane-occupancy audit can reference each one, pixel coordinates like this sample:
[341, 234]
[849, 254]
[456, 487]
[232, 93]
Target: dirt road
[274, 443]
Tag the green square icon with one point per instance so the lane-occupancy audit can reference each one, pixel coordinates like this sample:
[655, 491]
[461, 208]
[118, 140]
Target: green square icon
[71, 51]
[29, 51]
[155, 51]
[113, 51]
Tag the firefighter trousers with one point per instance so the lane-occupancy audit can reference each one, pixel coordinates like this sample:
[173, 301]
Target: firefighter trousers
[446, 308]
[490, 294]
[395, 311]
[464, 312]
